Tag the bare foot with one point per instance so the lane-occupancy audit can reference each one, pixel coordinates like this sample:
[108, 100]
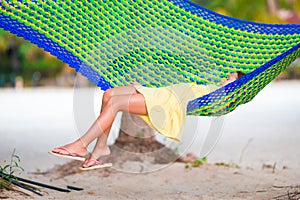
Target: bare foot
[75, 147]
[97, 154]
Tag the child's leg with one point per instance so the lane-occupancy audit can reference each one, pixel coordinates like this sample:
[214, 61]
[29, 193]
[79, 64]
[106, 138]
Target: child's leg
[124, 90]
[134, 104]
[101, 146]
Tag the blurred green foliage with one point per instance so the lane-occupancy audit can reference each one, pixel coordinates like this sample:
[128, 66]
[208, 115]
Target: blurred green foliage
[254, 10]
[21, 58]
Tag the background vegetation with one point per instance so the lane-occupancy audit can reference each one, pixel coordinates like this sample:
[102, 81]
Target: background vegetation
[254, 10]
[21, 58]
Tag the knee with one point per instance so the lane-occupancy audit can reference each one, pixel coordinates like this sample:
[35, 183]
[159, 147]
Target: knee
[113, 104]
[107, 95]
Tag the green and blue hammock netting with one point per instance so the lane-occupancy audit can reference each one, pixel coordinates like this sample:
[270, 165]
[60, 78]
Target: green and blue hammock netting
[158, 43]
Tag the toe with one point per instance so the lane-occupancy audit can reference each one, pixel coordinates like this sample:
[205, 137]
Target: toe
[88, 163]
[59, 151]
[55, 150]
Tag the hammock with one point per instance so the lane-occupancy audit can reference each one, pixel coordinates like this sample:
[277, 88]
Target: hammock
[158, 43]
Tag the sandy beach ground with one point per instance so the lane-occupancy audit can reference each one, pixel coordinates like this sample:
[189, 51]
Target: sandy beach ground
[174, 182]
[264, 132]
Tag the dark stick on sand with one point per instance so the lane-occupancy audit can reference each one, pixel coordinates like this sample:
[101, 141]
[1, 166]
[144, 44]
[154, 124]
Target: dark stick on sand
[36, 183]
[74, 188]
[13, 181]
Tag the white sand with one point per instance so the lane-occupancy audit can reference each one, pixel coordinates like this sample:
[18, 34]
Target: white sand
[174, 182]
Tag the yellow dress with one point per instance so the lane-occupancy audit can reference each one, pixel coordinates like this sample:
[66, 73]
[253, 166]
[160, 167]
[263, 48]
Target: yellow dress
[167, 106]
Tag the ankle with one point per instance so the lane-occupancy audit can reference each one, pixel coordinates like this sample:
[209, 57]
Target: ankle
[80, 144]
[100, 152]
